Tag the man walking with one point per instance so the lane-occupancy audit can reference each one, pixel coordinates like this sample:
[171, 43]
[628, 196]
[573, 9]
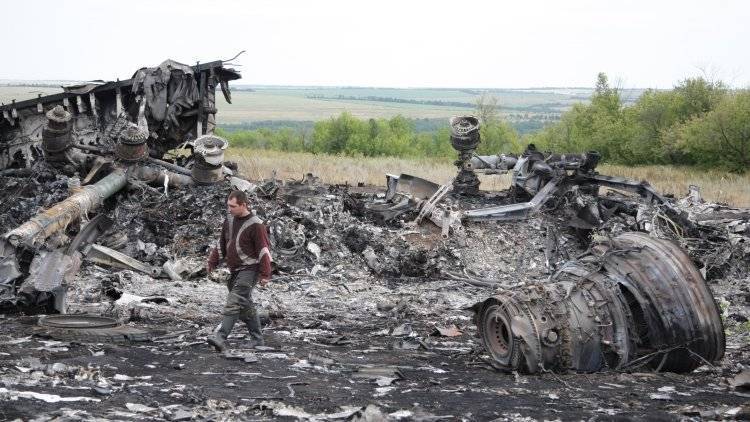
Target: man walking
[244, 246]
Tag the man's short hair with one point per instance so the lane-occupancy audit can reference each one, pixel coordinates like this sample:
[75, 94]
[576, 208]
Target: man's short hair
[238, 196]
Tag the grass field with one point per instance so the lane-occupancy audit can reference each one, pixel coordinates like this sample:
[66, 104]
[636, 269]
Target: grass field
[293, 103]
[259, 164]
[263, 103]
[20, 93]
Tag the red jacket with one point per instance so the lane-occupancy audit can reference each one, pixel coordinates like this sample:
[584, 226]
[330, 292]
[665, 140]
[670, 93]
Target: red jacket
[254, 249]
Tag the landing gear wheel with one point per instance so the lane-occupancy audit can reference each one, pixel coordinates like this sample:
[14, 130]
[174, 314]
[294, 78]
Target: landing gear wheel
[89, 329]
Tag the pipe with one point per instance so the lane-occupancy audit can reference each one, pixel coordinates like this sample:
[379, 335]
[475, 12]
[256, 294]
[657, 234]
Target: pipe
[154, 176]
[493, 162]
[173, 167]
[60, 215]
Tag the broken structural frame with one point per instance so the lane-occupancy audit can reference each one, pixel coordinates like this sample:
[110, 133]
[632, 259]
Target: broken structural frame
[127, 163]
[544, 176]
[179, 100]
[535, 174]
[540, 179]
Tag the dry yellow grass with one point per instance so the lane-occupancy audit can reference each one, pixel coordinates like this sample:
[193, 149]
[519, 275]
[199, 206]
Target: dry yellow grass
[260, 164]
[715, 186]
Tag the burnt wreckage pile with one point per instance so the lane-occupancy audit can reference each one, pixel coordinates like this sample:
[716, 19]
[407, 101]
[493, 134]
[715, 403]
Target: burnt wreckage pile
[632, 299]
[114, 135]
[618, 286]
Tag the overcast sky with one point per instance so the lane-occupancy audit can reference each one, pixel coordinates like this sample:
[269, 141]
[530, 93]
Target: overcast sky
[403, 43]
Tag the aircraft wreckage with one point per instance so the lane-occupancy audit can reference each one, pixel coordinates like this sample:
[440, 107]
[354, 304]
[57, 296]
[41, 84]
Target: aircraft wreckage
[632, 300]
[114, 133]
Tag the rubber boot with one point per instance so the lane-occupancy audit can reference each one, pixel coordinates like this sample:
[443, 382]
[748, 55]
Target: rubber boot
[219, 338]
[253, 328]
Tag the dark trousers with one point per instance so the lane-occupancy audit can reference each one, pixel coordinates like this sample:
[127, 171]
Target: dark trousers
[240, 305]
[239, 299]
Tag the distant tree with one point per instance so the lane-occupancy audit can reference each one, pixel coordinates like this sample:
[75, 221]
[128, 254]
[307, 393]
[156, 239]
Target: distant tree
[698, 96]
[332, 135]
[721, 137]
[498, 137]
[487, 108]
[605, 98]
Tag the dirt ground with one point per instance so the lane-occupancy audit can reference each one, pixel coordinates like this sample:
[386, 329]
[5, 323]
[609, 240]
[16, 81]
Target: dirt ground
[329, 368]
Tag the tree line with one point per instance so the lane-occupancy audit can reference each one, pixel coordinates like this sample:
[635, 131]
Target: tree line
[699, 123]
[349, 135]
[393, 100]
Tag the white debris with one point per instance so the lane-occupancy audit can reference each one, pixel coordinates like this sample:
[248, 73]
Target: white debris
[139, 408]
[49, 398]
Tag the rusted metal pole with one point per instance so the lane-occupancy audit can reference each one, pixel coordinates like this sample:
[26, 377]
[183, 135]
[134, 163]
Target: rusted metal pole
[38, 228]
[152, 175]
[173, 167]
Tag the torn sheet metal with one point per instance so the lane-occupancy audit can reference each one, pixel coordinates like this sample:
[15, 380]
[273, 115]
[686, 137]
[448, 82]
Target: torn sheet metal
[635, 301]
[49, 270]
[176, 102]
[110, 257]
[414, 186]
[516, 211]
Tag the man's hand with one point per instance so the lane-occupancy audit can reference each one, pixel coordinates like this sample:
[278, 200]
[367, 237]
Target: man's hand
[263, 281]
[213, 260]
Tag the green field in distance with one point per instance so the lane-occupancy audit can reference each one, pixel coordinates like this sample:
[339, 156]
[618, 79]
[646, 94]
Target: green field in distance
[308, 104]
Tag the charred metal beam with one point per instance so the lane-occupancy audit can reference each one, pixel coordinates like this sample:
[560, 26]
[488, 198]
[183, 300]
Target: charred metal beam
[110, 257]
[174, 167]
[517, 211]
[155, 176]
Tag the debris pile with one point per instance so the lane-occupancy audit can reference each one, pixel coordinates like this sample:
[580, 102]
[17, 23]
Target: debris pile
[166, 107]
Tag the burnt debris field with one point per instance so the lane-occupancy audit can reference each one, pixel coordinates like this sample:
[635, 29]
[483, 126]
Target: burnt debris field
[571, 295]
